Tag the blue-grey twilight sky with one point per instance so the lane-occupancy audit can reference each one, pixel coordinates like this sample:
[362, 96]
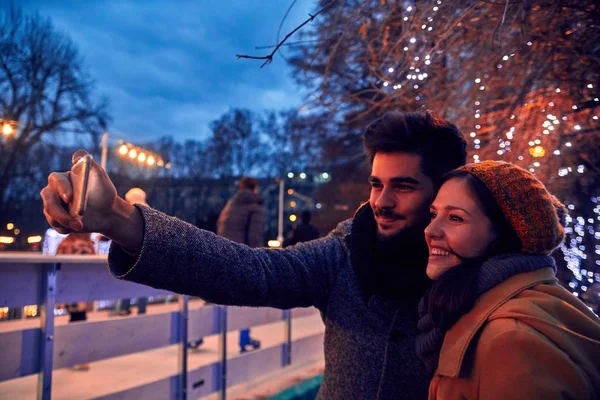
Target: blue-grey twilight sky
[169, 67]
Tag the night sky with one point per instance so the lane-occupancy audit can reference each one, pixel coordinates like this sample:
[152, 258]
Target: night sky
[169, 67]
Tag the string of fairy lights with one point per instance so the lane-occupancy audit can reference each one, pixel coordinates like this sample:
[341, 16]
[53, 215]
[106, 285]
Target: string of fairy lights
[539, 148]
[144, 157]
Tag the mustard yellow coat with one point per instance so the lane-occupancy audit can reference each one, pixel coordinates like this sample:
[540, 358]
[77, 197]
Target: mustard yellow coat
[527, 338]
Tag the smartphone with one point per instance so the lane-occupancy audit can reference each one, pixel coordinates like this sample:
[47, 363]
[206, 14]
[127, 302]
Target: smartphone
[80, 175]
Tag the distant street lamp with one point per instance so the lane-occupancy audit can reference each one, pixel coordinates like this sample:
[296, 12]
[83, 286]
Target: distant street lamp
[324, 176]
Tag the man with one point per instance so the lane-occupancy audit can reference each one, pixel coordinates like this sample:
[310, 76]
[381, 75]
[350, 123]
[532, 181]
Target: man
[366, 278]
[243, 221]
[304, 232]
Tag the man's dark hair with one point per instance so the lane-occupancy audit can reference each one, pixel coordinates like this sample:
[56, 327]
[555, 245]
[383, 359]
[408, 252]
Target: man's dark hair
[248, 183]
[440, 144]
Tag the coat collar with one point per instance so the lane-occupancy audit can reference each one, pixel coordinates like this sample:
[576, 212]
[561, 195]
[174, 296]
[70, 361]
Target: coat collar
[459, 337]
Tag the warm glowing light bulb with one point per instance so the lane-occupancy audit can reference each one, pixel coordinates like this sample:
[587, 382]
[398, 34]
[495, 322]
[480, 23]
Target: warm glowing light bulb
[132, 153]
[537, 151]
[123, 149]
[7, 129]
[150, 160]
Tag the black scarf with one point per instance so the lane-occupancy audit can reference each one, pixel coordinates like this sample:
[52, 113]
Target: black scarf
[394, 270]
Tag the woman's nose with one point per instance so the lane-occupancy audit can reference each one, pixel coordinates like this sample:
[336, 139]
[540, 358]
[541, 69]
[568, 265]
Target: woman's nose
[433, 230]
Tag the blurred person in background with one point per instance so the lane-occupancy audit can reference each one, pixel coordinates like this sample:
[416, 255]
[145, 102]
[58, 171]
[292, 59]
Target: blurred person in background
[134, 196]
[243, 221]
[77, 243]
[304, 232]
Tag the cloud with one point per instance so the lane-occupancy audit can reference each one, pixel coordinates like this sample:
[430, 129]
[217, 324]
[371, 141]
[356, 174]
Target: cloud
[169, 68]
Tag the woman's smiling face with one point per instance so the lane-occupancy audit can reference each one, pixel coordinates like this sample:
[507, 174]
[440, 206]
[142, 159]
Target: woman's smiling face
[458, 227]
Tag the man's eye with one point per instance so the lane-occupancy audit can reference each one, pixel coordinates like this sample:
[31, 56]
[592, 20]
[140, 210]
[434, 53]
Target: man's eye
[432, 215]
[403, 187]
[375, 185]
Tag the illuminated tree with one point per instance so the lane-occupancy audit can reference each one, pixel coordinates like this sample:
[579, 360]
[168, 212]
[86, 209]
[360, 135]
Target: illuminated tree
[519, 77]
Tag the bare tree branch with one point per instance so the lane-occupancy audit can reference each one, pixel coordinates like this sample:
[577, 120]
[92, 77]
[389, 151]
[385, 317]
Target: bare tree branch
[269, 58]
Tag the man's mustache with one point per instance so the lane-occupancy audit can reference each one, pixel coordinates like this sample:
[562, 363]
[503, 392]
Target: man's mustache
[387, 213]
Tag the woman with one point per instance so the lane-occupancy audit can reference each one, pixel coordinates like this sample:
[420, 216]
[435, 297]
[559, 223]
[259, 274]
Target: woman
[495, 324]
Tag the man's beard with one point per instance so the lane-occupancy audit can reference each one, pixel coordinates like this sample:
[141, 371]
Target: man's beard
[410, 232]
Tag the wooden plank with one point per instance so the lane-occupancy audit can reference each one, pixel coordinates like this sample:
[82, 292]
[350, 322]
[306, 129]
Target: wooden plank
[202, 322]
[307, 347]
[247, 317]
[163, 389]
[20, 284]
[202, 381]
[86, 282]
[253, 364]
[304, 312]
[10, 367]
[83, 342]
[28, 257]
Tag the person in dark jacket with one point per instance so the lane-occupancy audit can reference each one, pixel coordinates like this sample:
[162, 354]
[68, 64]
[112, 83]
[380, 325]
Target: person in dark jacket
[77, 243]
[304, 232]
[366, 277]
[243, 221]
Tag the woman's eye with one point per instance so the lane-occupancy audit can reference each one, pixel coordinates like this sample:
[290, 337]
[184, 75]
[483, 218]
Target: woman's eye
[456, 218]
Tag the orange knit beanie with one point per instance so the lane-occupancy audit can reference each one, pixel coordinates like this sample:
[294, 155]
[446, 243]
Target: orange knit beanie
[537, 216]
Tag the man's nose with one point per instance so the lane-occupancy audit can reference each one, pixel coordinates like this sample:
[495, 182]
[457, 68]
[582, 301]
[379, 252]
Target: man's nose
[386, 199]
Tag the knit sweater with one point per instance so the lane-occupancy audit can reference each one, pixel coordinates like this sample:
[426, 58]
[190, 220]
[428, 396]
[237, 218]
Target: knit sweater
[369, 343]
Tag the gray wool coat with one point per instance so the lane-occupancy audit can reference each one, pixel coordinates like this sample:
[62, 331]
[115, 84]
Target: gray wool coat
[369, 344]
